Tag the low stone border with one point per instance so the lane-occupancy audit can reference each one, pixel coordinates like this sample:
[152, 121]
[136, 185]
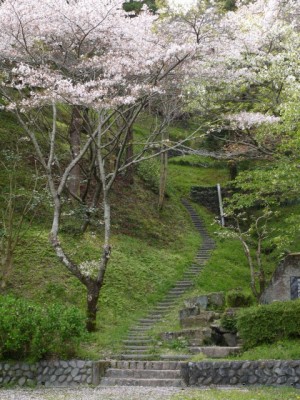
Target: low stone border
[52, 373]
[242, 373]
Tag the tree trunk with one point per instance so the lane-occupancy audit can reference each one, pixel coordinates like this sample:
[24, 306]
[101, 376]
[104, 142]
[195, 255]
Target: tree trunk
[163, 173]
[129, 174]
[74, 133]
[93, 290]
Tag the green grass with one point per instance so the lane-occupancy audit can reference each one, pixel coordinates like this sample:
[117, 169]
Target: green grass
[257, 393]
[183, 177]
[281, 350]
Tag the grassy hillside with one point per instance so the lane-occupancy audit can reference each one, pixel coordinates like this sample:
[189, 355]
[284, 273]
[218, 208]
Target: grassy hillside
[150, 249]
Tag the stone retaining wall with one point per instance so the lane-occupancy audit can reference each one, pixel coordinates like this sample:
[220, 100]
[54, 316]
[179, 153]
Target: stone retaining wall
[207, 196]
[242, 373]
[52, 373]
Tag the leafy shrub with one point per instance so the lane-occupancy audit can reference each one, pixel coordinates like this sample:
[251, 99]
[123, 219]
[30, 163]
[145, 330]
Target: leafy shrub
[269, 323]
[30, 331]
[149, 171]
[229, 320]
[238, 298]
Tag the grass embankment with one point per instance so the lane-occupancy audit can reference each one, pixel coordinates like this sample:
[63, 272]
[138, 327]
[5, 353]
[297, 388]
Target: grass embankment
[239, 394]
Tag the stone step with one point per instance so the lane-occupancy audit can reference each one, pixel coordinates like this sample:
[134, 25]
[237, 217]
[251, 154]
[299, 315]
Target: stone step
[133, 357]
[142, 329]
[148, 365]
[143, 373]
[173, 357]
[177, 292]
[215, 351]
[146, 350]
[136, 347]
[137, 342]
[155, 314]
[141, 382]
[147, 321]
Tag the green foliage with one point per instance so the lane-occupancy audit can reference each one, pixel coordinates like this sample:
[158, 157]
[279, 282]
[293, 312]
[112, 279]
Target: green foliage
[178, 344]
[149, 172]
[136, 6]
[269, 323]
[30, 331]
[238, 298]
[229, 321]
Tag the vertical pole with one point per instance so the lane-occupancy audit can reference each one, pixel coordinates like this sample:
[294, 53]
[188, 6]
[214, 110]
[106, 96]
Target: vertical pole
[221, 205]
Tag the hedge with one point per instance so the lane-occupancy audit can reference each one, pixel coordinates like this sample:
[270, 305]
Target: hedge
[31, 331]
[269, 323]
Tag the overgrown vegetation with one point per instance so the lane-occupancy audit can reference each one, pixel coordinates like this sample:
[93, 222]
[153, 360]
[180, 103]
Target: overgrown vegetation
[269, 323]
[31, 331]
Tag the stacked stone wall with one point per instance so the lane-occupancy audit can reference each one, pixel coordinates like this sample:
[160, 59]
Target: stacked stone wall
[242, 373]
[51, 373]
[207, 196]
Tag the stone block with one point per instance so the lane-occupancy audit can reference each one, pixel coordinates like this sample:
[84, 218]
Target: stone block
[22, 381]
[80, 364]
[203, 319]
[199, 301]
[74, 372]
[188, 312]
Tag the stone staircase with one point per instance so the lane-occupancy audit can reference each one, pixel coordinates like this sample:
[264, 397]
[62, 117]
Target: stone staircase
[143, 373]
[135, 366]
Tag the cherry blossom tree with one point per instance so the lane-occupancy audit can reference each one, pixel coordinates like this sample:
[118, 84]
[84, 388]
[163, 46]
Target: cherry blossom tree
[84, 55]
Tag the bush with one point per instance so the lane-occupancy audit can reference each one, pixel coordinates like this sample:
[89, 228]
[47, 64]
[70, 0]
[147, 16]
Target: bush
[238, 298]
[269, 323]
[149, 172]
[229, 320]
[29, 331]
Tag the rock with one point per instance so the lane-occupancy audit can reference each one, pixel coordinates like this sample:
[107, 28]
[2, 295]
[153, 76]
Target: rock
[188, 312]
[199, 301]
[80, 364]
[230, 339]
[74, 372]
[22, 381]
[202, 319]
[216, 300]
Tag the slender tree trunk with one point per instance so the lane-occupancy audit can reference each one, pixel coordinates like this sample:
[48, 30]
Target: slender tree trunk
[74, 132]
[163, 173]
[129, 174]
[93, 291]
[262, 278]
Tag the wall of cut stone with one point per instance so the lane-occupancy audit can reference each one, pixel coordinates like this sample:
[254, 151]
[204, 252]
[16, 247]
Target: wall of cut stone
[207, 196]
[52, 373]
[242, 373]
